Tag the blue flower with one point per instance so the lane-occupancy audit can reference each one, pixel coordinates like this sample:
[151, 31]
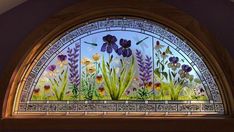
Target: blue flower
[110, 43]
[186, 68]
[125, 48]
[184, 72]
[174, 63]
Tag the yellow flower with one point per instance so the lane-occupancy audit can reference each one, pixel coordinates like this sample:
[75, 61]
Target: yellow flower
[99, 79]
[148, 85]
[96, 57]
[91, 69]
[36, 92]
[85, 61]
[47, 88]
[101, 90]
[164, 55]
[157, 86]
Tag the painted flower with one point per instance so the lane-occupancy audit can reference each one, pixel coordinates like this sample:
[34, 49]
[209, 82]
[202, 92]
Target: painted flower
[199, 90]
[91, 69]
[62, 60]
[174, 63]
[47, 88]
[36, 91]
[101, 90]
[158, 46]
[110, 44]
[127, 92]
[164, 55]
[125, 48]
[99, 79]
[96, 57]
[134, 89]
[149, 85]
[184, 72]
[52, 70]
[85, 61]
[157, 86]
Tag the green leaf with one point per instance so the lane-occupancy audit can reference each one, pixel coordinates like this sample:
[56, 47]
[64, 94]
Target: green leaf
[64, 84]
[173, 74]
[156, 71]
[54, 88]
[170, 78]
[127, 79]
[165, 74]
[158, 62]
[168, 51]
[105, 77]
[163, 67]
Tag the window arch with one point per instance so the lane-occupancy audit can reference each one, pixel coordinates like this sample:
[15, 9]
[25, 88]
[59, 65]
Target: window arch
[119, 64]
[180, 80]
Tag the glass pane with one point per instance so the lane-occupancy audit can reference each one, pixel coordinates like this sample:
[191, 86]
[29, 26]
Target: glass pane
[120, 65]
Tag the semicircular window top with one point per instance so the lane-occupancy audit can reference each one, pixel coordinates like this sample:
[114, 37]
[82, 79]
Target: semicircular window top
[119, 65]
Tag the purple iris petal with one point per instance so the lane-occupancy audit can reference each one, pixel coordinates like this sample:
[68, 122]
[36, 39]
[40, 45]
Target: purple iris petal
[129, 52]
[125, 43]
[124, 52]
[120, 51]
[125, 49]
[62, 57]
[115, 47]
[110, 43]
[51, 67]
[103, 48]
[186, 68]
[109, 39]
[174, 59]
[109, 49]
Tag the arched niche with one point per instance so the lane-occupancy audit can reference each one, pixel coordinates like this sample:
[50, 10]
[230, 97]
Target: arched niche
[178, 32]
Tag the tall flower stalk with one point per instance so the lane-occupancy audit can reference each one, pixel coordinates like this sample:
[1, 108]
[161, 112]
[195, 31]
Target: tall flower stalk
[74, 77]
[145, 73]
[145, 67]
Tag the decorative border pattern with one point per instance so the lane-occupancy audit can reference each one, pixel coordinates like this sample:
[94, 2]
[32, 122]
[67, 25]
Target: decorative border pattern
[124, 23]
[122, 106]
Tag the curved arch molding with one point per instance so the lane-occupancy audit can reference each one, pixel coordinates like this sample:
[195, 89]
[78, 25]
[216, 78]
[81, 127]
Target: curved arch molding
[71, 72]
[160, 58]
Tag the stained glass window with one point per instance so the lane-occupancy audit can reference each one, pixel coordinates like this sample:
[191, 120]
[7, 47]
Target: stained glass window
[119, 65]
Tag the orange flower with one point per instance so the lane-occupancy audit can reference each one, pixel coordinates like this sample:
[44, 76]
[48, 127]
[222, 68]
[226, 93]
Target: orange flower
[90, 69]
[149, 85]
[101, 90]
[36, 91]
[157, 86]
[47, 88]
[85, 61]
[96, 57]
[99, 79]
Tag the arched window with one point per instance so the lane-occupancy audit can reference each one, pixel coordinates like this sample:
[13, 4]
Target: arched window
[119, 64]
[124, 63]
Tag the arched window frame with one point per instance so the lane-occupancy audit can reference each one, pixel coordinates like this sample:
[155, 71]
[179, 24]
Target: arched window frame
[78, 14]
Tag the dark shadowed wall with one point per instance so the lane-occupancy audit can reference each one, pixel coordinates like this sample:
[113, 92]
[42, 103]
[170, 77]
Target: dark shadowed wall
[216, 15]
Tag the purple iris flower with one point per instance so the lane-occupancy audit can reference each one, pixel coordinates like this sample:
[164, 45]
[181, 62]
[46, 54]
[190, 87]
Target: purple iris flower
[174, 60]
[125, 49]
[51, 67]
[62, 57]
[110, 43]
[186, 68]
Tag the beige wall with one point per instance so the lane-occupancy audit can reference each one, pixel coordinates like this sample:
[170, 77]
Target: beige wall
[6, 5]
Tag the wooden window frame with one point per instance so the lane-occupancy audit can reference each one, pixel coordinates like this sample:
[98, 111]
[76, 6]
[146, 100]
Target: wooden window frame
[157, 11]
